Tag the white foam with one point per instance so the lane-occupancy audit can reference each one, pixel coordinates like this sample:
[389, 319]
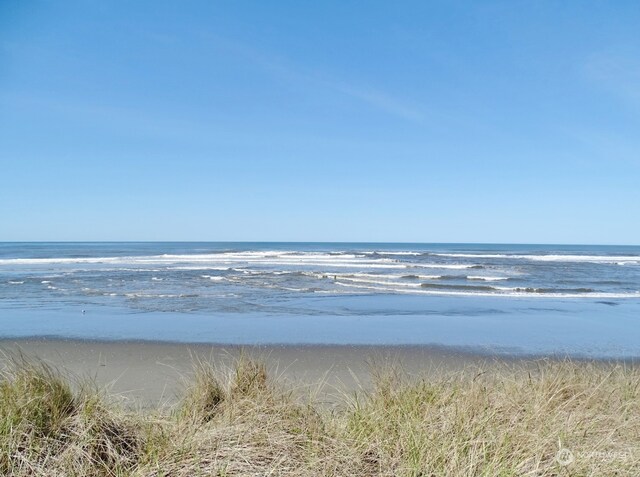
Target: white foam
[337, 264]
[398, 253]
[53, 261]
[262, 257]
[199, 267]
[386, 276]
[379, 282]
[368, 275]
[486, 279]
[609, 259]
[512, 294]
[294, 289]
[12, 282]
[152, 295]
[444, 266]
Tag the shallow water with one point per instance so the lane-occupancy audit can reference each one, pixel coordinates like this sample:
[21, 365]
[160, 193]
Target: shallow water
[518, 298]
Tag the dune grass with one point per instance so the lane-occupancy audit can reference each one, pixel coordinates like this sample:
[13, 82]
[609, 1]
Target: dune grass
[555, 418]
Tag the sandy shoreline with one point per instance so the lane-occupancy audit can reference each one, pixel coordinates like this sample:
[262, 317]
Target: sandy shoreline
[152, 373]
[149, 373]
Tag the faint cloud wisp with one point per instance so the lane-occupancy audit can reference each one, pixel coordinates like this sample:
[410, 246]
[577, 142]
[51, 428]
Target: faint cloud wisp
[285, 70]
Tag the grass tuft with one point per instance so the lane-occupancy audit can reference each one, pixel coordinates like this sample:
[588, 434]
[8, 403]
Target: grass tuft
[249, 378]
[204, 395]
[34, 398]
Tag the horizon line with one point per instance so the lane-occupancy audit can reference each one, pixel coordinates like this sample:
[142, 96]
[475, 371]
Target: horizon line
[335, 242]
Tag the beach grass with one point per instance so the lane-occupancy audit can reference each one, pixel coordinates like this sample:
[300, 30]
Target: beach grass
[551, 418]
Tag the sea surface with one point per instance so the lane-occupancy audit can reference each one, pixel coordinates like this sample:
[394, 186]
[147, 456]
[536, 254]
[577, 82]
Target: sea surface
[581, 300]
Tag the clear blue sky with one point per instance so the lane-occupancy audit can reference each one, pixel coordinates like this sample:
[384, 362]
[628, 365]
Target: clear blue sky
[340, 120]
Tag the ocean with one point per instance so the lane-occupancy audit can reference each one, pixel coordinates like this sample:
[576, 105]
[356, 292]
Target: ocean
[533, 299]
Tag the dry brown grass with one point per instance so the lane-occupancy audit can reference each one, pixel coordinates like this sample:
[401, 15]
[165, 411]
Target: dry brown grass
[502, 422]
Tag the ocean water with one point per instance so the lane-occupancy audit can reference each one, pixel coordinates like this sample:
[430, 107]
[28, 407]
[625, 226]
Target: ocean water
[509, 298]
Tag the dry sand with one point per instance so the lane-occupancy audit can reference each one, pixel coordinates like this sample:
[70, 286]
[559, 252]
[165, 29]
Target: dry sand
[153, 373]
[150, 374]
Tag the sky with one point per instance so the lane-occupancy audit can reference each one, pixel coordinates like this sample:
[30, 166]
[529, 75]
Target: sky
[407, 121]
